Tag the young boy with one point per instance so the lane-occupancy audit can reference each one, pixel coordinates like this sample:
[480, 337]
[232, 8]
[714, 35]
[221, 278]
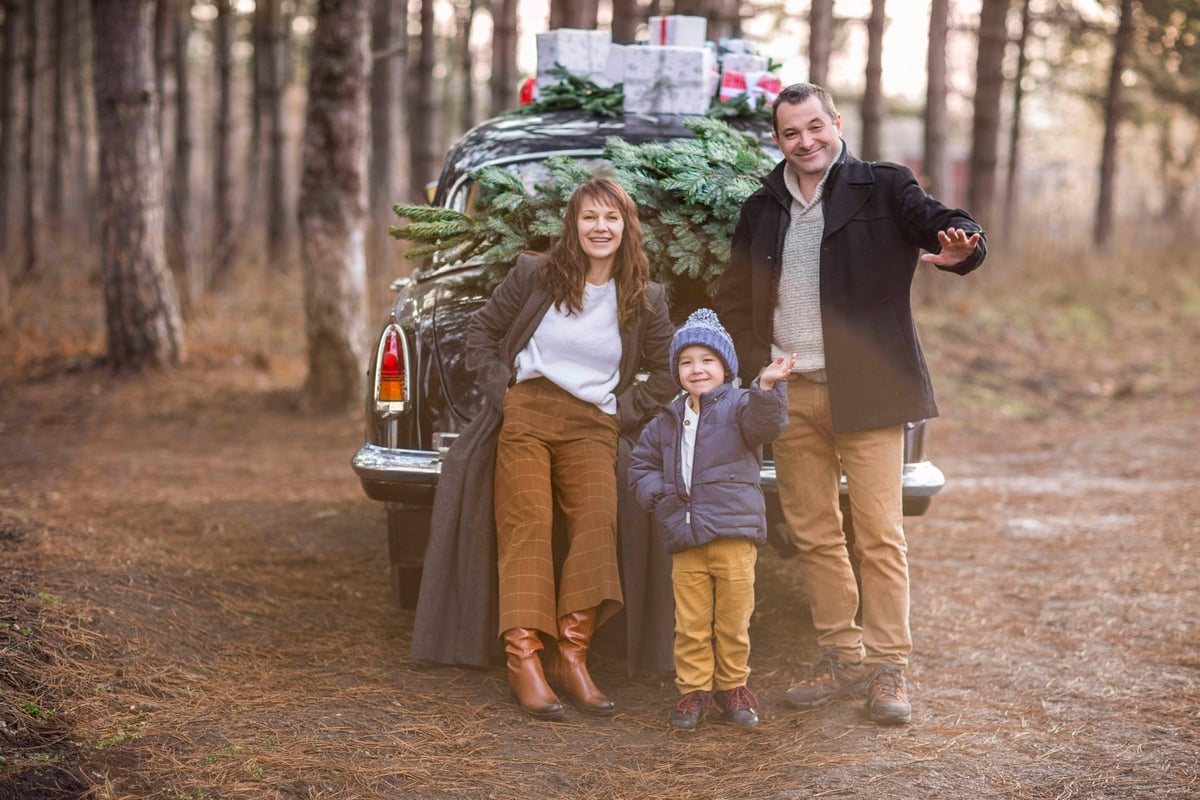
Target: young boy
[696, 467]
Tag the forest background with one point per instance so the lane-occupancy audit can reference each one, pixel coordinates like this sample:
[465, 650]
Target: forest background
[194, 198]
[1070, 123]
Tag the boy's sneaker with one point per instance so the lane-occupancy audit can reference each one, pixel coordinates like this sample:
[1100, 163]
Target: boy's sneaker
[738, 706]
[887, 699]
[828, 679]
[689, 711]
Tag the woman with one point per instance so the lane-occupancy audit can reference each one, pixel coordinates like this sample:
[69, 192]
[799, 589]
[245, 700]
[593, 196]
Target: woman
[555, 352]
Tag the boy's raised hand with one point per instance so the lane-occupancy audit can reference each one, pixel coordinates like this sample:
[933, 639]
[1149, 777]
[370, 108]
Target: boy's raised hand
[777, 370]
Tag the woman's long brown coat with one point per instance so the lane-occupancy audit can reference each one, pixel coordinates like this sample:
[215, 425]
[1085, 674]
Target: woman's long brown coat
[456, 613]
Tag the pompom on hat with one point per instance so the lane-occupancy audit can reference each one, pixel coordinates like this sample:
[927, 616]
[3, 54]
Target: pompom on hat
[703, 328]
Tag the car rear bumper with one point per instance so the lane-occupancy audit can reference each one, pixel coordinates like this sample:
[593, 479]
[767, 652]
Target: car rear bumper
[410, 477]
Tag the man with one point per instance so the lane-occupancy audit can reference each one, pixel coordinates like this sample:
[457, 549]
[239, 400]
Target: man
[821, 265]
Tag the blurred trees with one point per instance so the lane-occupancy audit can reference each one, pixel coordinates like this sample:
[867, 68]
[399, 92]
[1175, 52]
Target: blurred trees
[1102, 231]
[934, 149]
[231, 78]
[872, 103]
[332, 207]
[141, 310]
[985, 132]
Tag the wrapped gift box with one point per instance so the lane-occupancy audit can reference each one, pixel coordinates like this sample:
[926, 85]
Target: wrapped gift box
[744, 62]
[614, 70]
[668, 80]
[729, 45]
[678, 30]
[754, 84]
[581, 52]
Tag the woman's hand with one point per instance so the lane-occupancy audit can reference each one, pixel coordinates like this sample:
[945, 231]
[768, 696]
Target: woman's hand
[777, 370]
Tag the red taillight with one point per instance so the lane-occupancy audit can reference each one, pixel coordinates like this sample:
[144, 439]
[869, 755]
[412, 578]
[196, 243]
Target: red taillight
[391, 369]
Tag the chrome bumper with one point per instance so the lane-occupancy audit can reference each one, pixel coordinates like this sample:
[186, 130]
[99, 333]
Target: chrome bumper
[411, 475]
[919, 479]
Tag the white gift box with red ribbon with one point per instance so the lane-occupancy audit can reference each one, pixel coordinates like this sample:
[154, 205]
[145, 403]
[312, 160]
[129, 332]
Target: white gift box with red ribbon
[678, 30]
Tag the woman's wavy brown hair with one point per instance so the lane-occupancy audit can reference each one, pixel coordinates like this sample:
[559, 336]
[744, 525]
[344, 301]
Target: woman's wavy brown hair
[566, 266]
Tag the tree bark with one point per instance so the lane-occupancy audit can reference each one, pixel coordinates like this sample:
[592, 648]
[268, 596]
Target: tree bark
[425, 110]
[625, 18]
[85, 114]
[820, 41]
[872, 106]
[1102, 232]
[223, 200]
[934, 159]
[164, 27]
[141, 309]
[504, 55]
[467, 65]
[332, 208]
[8, 115]
[28, 157]
[274, 83]
[179, 220]
[989, 83]
[1012, 180]
[59, 143]
[389, 172]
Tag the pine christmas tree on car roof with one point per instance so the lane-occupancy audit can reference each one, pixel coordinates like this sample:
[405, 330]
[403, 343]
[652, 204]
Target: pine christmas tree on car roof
[689, 193]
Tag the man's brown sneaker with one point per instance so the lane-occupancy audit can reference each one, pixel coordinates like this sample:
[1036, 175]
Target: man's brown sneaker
[887, 698]
[828, 679]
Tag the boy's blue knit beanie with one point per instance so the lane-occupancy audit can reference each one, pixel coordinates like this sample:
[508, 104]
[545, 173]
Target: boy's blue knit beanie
[703, 327]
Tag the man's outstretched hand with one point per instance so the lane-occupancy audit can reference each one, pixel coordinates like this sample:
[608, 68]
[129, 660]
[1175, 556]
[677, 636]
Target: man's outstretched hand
[956, 247]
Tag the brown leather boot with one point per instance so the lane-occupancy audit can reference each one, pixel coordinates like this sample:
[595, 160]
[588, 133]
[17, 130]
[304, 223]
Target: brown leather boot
[568, 669]
[525, 676]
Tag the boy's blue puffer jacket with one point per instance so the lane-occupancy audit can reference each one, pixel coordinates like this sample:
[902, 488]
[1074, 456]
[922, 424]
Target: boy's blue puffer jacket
[726, 497]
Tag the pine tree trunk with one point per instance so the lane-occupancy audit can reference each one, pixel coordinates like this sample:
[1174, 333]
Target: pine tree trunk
[85, 114]
[256, 147]
[332, 207]
[389, 159]
[28, 157]
[1102, 232]
[625, 18]
[164, 20]
[180, 217]
[59, 144]
[8, 116]
[223, 201]
[425, 110]
[728, 19]
[504, 55]
[141, 309]
[820, 41]
[467, 66]
[989, 83]
[560, 13]
[934, 159]
[872, 107]
[274, 94]
[1011, 183]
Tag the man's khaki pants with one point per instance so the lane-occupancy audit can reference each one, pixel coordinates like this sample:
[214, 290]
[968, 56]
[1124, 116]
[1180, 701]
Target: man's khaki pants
[809, 459]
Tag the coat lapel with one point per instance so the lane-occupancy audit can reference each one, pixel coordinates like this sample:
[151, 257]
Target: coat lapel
[852, 182]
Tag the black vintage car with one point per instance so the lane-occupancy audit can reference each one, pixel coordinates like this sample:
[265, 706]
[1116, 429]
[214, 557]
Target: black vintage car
[420, 393]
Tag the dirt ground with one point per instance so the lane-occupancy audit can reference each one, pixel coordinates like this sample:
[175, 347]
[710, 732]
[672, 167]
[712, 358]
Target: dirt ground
[194, 598]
